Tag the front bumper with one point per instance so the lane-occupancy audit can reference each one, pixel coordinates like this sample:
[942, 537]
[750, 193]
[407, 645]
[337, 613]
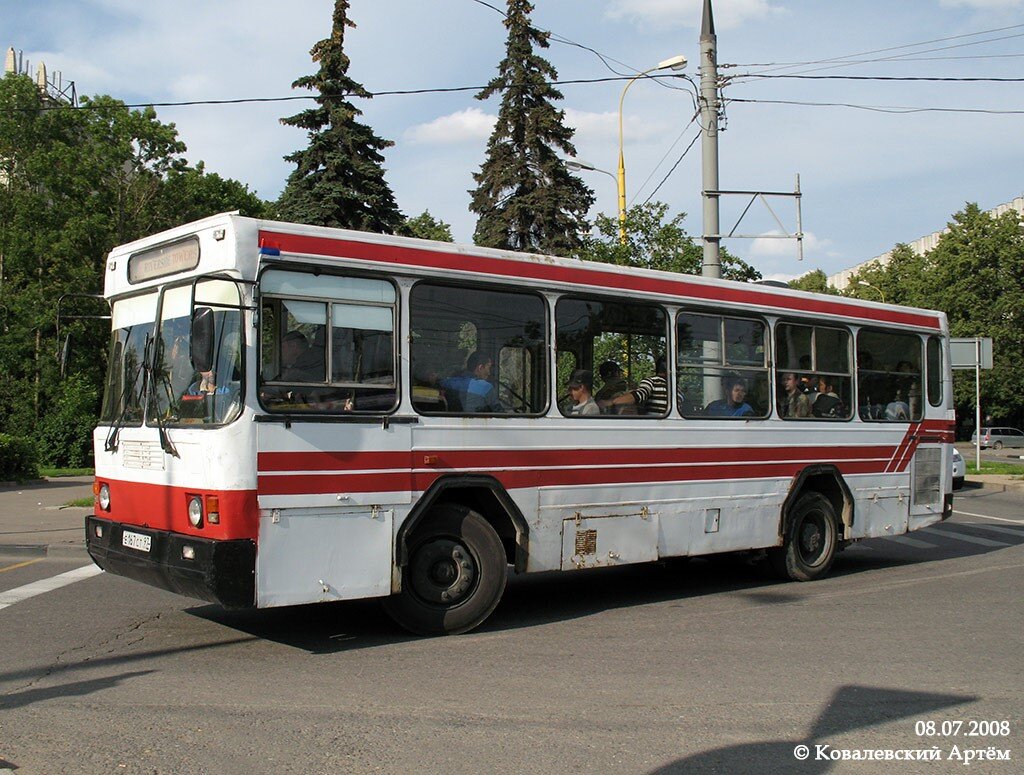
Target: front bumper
[220, 572]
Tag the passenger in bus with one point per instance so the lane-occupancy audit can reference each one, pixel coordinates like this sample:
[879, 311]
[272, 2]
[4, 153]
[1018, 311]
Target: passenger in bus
[299, 362]
[650, 396]
[897, 410]
[827, 402]
[580, 387]
[613, 383]
[794, 403]
[472, 390]
[735, 402]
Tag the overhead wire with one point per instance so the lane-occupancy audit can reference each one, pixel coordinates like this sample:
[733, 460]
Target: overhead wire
[839, 60]
[882, 108]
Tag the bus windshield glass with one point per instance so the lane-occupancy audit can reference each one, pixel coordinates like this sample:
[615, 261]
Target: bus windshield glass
[180, 394]
[129, 347]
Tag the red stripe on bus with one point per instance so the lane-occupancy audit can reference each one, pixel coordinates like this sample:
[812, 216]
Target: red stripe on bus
[270, 462]
[318, 484]
[163, 507]
[503, 267]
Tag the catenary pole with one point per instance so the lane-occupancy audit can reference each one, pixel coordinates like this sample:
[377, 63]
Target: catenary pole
[712, 265]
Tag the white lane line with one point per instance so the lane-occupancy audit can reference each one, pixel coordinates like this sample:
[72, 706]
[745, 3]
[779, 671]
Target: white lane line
[908, 541]
[1019, 532]
[958, 536]
[16, 595]
[986, 516]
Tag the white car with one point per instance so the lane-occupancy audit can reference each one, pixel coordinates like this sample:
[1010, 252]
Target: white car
[959, 469]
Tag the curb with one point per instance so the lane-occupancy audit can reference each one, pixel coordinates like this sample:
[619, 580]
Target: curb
[45, 550]
[970, 484]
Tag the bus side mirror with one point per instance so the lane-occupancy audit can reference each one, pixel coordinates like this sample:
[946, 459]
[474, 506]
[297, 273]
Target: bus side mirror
[201, 344]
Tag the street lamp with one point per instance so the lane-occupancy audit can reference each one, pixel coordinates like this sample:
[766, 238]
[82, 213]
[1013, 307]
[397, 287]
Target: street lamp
[866, 284]
[673, 63]
[579, 165]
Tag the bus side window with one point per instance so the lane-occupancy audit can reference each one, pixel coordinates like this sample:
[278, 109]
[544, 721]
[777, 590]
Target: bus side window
[820, 358]
[722, 366]
[889, 376]
[477, 350]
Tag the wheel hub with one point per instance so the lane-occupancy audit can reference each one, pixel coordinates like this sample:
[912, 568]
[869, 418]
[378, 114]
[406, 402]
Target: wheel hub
[442, 571]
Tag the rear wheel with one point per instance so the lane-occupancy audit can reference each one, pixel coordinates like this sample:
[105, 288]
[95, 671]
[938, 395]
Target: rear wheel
[997, 445]
[810, 542]
[455, 576]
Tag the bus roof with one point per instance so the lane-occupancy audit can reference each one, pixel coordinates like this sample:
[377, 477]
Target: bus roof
[304, 242]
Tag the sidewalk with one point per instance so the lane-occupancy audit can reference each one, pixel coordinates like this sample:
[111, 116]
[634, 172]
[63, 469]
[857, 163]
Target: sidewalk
[32, 520]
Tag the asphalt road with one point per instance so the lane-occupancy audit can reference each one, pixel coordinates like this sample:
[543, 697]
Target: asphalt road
[682, 667]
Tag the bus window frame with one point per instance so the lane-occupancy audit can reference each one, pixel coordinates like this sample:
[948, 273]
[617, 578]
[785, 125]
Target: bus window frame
[544, 360]
[733, 313]
[851, 359]
[316, 270]
[241, 308]
[921, 373]
[667, 335]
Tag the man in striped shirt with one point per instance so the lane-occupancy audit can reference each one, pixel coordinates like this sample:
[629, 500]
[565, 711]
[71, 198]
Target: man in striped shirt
[650, 396]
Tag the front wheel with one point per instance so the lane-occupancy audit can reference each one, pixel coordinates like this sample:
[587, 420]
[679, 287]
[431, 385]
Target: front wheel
[455, 576]
[810, 541]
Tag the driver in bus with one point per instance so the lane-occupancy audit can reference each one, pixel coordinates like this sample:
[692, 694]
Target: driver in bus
[473, 388]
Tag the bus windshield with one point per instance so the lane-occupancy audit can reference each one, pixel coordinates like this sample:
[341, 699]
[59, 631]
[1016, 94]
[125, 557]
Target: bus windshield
[129, 344]
[150, 375]
[180, 394]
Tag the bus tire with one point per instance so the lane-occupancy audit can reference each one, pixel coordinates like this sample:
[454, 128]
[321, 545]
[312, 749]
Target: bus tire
[810, 541]
[455, 576]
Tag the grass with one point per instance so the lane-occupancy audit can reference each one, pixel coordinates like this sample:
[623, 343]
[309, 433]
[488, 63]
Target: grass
[996, 468]
[84, 502]
[50, 473]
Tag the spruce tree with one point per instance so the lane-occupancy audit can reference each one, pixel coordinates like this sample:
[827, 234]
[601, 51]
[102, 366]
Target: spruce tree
[338, 180]
[525, 197]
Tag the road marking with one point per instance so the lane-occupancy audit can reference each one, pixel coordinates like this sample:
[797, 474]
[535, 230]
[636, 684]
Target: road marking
[916, 543]
[948, 533]
[18, 594]
[986, 516]
[20, 565]
[999, 529]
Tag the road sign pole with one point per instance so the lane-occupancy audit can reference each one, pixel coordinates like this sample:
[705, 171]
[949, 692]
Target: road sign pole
[977, 404]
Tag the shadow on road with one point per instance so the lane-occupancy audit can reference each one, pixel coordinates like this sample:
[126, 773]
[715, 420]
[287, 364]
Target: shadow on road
[850, 708]
[63, 691]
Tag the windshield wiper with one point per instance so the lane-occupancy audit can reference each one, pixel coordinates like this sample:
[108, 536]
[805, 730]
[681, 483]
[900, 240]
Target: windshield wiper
[110, 444]
[165, 440]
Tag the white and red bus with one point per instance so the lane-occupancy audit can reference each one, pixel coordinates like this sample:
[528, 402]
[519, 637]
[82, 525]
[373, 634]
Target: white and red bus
[297, 414]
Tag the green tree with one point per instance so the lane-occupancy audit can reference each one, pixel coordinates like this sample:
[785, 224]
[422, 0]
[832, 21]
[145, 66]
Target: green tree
[525, 197]
[652, 242]
[192, 193]
[73, 184]
[426, 226]
[815, 281]
[975, 274]
[338, 179]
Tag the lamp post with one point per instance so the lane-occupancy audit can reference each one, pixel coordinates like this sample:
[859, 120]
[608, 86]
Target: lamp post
[674, 63]
[579, 164]
[866, 284]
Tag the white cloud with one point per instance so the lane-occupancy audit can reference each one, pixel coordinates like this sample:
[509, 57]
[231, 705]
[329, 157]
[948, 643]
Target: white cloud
[469, 125]
[605, 126]
[984, 5]
[687, 13]
[771, 245]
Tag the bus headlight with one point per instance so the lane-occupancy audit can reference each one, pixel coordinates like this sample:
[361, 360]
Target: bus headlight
[195, 511]
[104, 497]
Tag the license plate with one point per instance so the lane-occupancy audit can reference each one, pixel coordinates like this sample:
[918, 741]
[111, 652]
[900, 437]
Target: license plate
[136, 541]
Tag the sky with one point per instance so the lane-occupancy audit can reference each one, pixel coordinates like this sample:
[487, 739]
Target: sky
[869, 178]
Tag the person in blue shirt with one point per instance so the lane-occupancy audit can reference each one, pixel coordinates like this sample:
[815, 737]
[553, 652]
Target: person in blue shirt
[735, 402]
[473, 390]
